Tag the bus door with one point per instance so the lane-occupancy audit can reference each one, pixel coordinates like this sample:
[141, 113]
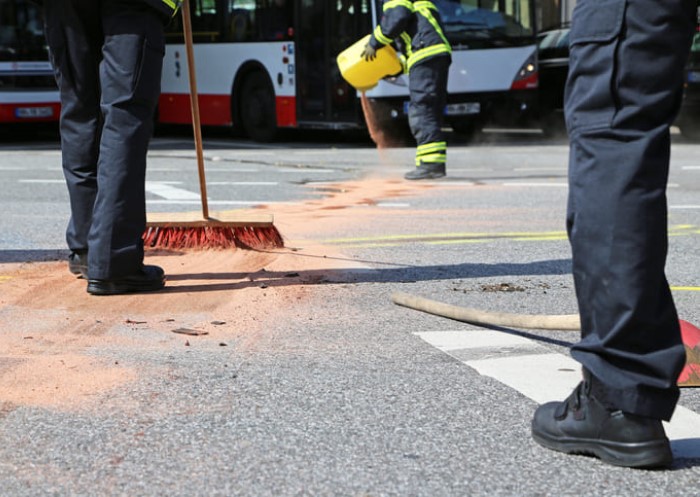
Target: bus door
[324, 29]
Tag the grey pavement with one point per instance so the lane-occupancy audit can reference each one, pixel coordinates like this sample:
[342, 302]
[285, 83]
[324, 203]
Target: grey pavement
[343, 398]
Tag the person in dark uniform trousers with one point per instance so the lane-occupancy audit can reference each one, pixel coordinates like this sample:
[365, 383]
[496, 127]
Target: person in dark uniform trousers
[624, 90]
[416, 29]
[107, 57]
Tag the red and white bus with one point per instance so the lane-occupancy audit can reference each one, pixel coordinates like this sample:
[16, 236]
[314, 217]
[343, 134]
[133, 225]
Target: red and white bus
[269, 64]
[28, 91]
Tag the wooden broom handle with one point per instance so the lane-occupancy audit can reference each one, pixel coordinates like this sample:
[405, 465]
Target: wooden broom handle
[194, 101]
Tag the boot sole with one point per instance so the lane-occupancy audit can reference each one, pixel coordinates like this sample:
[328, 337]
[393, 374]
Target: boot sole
[427, 176]
[117, 288]
[656, 454]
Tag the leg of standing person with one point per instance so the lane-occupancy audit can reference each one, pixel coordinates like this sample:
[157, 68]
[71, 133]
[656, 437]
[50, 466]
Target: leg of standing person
[130, 75]
[623, 93]
[75, 40]
[428, 93]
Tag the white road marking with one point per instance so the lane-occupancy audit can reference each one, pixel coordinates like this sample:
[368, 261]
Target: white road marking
[169, 192]
[305, 171]
[242, 183]
[393, 205]
[545, 377]
[46, 181]
[564, 185]
[221, 202]
[679, 207]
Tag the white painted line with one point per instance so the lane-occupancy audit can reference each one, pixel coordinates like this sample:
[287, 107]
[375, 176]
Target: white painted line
[550, 377]
[690, 168]
[169, 192]
[560, 169]
[305, 170]
[472, 339]
[220, 202]
[393, 205]
[450, 183]
[232, 169]
[47, 181]
[565, 185]
[243, 183]
[680, 207]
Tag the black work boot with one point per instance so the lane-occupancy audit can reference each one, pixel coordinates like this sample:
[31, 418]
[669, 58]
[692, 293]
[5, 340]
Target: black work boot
[146, 279]
[77, 264]
[582, 425]
[427, 171]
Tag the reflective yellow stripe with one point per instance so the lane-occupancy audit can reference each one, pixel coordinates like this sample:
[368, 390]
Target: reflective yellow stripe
[407, 44]
[423, 4]
[380, 36]
[428, 148]
[174, 6]
[427, 52]
[423, 8]
[434, 158]
[397, 3]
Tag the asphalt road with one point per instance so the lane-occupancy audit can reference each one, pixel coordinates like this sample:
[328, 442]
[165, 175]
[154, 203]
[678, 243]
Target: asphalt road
[362, 397]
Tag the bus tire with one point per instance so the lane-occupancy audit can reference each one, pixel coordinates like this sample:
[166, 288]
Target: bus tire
[465, 128]
[257, 108]
[689, 130]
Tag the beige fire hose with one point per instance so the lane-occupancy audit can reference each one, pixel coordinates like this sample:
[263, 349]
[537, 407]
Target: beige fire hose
[486, 318]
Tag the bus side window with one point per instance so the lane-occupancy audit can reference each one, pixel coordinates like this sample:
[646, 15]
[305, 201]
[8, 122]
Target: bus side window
[275, 21]
[240, 24]
[205, 24]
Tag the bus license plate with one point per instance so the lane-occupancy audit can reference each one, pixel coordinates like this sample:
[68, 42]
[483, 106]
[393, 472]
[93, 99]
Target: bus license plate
[463, 109]
[33, 112]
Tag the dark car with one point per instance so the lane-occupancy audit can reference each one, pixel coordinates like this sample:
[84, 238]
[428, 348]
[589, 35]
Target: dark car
[553, 53]
[553, 66]
[689, 118]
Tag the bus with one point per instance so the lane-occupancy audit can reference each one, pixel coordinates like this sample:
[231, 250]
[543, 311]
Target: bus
[28, 91]
[263, 65]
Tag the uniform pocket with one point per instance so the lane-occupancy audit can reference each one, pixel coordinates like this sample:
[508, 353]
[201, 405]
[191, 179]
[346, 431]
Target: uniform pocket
[131, 69]
[597, 29]
[597, 21]
[148, 78]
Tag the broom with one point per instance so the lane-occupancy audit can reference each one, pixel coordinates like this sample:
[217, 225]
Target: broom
[191, 230]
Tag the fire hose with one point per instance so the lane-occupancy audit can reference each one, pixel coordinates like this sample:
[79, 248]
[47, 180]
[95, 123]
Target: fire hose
[487, 318]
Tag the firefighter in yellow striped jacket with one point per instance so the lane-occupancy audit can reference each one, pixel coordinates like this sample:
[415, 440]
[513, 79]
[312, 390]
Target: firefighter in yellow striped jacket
[415, 28]
[108, 57]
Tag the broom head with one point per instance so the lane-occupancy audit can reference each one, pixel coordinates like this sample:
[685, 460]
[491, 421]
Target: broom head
[222, 230]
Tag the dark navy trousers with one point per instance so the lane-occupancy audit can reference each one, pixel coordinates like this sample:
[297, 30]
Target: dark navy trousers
[623, 92]
[107, 57]
[427, 84]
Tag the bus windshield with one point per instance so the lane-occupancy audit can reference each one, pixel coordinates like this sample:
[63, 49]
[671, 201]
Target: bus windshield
[487, 23]
[21, 32]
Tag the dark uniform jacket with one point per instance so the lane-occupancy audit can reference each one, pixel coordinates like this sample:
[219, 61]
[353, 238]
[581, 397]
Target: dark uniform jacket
[414, 27]
[166, 7]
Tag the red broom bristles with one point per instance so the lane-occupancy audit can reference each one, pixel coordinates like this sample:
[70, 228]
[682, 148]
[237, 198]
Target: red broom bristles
[209, 237]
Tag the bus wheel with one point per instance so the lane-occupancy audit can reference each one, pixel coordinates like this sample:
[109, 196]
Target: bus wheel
[465, 128]
[690, 130]
[258, 112]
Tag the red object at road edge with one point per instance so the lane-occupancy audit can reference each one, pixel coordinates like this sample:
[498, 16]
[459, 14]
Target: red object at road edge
[690, 376]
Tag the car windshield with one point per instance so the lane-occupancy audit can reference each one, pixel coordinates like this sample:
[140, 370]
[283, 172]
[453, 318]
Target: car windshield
[487, 22]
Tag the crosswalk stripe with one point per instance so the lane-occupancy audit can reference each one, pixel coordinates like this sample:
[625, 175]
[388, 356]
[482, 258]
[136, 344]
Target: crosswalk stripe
[543, 376]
